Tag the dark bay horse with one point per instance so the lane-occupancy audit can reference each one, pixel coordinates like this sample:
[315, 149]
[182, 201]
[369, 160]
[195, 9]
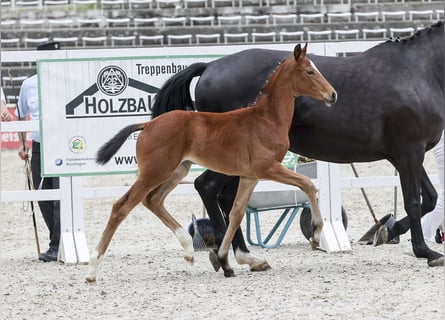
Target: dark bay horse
[248, 142]
[390, 106]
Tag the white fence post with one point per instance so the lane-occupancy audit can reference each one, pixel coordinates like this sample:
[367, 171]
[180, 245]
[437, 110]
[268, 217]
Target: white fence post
[333, 236]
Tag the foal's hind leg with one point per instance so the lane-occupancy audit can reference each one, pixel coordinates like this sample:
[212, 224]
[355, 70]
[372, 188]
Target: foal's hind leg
[121, 209]
[279, 173]
[154, 201]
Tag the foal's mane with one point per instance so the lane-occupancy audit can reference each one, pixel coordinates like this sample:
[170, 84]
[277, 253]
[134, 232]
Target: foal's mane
[417, 34]
[267, 82]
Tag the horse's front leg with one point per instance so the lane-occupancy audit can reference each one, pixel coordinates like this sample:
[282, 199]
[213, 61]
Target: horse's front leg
[218, 193]
[281, 174]
[245, 189]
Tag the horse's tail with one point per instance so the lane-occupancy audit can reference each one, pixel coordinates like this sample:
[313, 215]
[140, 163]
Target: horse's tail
[175, 93]
[111, 147]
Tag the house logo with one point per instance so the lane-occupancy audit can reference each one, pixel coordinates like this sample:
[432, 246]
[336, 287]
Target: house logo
[112, 80]
[77, 144]
[107, 97]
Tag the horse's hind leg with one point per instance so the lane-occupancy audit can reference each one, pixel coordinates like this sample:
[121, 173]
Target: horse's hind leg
[121, 209]
[154, 201]
[281, 174]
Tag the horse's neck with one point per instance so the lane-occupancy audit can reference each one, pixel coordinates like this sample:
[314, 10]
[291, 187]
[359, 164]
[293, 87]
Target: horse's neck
[277, 98]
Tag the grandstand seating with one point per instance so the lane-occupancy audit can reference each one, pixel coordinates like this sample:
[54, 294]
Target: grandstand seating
[149, 22]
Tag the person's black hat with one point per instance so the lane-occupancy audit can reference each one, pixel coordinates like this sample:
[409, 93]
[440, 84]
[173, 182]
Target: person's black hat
[49, 46]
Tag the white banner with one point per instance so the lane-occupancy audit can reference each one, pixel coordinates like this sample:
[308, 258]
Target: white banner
[85, 102]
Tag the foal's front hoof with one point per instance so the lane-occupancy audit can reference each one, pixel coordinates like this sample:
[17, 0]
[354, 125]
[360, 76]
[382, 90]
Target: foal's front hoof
[439, 262]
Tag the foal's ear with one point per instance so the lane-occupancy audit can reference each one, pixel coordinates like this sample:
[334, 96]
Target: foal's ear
[298, 51]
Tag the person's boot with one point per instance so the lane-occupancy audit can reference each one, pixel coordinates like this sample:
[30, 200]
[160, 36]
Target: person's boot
[50, 255]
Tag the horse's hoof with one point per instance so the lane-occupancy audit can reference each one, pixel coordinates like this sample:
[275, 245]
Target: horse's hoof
[314, 245]
[439, 262]
[189, 260]
[229, 273]
[262, 266]
[381, 236]
[90, 279]
[213, 257]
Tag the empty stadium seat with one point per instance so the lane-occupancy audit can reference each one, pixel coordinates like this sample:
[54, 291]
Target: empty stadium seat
[115, 40]
[380, 33]
[12, 42]
[319, 35]
[83, 22]
[366, 16]
[311, 17]
[156, 39]
[8, 24]
[111, 4]
[291, 35]
[173, 21]
[34, 42]
[86, 40]
[195, 3]
[116, 22]
[224, 2]
[347, 34]
[60, 23]
[168, 4]
[85, 3]
[179, 38]
[236, 37]
[140, 4]
[153, 22]
[206, 38]
[401, 32]
[393, 15]
[420, 14]
[290, 18]
[49, 3]
[209, 20]
[29, 3]
[28, 23]
[339, 17]
[268, 36]
[229, 20]
[263, 19]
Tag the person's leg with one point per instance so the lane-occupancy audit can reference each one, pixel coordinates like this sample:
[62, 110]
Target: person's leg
[50, 209]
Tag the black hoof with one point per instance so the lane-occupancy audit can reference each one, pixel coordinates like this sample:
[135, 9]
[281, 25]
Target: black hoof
[229, 273]
[439, 262]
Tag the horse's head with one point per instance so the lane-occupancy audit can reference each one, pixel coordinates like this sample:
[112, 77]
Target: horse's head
[310, 81]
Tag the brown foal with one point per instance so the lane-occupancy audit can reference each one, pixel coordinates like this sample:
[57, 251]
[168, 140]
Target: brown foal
[249, 142]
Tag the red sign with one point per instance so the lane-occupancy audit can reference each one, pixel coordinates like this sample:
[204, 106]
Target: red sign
[10, 140]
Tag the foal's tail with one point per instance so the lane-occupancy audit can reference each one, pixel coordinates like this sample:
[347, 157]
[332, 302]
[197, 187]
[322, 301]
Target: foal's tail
[111, 147]
[175, 93]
